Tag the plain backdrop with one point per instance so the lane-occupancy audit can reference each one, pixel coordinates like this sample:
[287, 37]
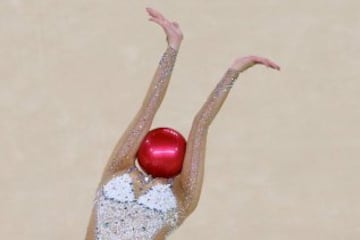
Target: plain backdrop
[283, 154]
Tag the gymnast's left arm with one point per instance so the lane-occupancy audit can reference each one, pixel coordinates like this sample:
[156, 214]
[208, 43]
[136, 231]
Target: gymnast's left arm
[191, 177]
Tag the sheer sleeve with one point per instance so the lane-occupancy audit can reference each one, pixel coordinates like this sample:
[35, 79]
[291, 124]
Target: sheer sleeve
[191, 177]
[125, 150]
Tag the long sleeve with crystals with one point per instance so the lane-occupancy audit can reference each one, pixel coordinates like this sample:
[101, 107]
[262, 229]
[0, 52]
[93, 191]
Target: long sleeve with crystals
[125, 150]
[193, 168]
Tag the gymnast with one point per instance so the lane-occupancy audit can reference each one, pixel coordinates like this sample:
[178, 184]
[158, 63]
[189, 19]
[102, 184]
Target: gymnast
[152, 181]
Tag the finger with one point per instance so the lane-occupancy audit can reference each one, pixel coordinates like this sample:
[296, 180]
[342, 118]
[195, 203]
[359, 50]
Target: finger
[175, 24]
[154, 13]
[158, 21]
[151, 12]
[271, 64]
[266, 62]
[274, 66]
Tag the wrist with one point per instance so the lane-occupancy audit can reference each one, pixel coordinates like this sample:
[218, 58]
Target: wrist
[175, 45]
[233, 73]
[241, 67]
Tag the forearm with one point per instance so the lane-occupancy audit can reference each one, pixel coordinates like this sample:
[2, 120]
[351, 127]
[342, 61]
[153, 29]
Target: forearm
[216, 99]
[159, 84]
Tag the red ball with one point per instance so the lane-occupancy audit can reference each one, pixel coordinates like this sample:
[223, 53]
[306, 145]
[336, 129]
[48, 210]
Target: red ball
[161, 153]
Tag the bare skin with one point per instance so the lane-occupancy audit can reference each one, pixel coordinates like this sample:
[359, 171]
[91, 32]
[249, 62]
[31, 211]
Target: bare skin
[187, 185]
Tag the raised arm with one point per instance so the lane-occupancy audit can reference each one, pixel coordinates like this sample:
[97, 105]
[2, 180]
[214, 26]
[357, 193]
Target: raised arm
[123, 155]
[192, 174]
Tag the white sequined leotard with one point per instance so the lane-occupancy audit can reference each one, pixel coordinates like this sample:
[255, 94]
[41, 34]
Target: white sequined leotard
[122, 216]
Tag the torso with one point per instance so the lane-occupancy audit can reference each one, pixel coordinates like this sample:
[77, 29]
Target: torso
[126, 211]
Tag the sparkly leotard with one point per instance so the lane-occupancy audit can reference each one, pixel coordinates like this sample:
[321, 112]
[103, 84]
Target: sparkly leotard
[121, 215]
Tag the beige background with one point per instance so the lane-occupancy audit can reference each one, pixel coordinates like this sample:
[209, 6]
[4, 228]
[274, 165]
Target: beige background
[283, 154]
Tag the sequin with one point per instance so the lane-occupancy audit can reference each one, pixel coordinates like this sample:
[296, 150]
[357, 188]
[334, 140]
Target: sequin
[166, 66]
[205, 117]
[120, 215]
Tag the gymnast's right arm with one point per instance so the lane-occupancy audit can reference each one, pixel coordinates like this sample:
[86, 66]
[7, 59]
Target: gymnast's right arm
[124, 154]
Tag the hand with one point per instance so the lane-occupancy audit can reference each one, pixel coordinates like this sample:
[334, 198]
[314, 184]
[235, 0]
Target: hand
[174, 35]
[243, 63]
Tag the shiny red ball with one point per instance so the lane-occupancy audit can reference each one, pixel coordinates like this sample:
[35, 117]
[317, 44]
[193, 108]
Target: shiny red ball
[161, 153]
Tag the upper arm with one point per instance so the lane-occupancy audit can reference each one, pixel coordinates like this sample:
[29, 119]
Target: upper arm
[124, 153]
